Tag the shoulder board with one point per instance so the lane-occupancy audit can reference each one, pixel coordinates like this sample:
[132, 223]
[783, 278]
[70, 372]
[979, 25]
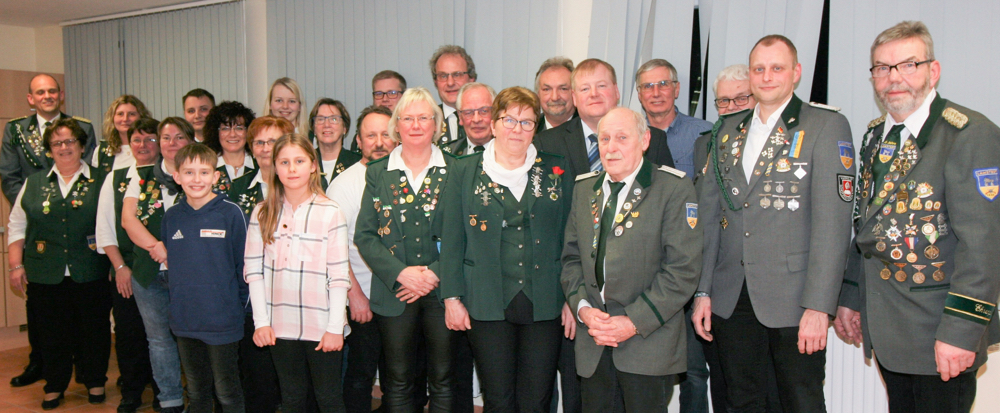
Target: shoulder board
[79, 119]
[20, 118]
[876, 122]
[823, 106]
[955, 118]
[586, 175]
[676, 172]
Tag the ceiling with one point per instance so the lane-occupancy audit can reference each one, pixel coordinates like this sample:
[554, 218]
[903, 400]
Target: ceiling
[37, 13]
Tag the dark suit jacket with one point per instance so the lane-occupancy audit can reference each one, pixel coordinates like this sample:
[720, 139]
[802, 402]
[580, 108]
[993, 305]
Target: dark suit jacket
[568, 140]
[957, 153]
[23, 153]
[652, 262]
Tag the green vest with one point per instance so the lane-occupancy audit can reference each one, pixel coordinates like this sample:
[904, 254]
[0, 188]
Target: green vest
[61, 231]
[515, 247]
[105, 159]
[345, 160]
[243, 194]
[119, 185]
[149, 210]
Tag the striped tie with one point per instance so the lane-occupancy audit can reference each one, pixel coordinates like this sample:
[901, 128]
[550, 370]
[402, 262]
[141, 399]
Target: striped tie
[594, 155]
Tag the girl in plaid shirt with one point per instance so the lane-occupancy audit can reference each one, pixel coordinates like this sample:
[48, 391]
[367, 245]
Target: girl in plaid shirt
[297, 270]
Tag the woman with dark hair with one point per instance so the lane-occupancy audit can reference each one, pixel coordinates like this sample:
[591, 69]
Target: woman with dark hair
[226, 133]
[114, 151]
[66, 279]
[329, 122]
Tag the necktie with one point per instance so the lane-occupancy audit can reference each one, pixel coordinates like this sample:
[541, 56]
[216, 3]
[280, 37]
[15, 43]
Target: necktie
[607, 221]
[594, 155]
[479, 148]
[879, 168]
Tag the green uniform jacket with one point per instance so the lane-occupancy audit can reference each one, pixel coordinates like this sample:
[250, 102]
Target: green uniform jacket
[125, 245]
[244, 195]
[953, 171]
[345, 160]
[652, 263]
[23, 153]
[62, 232]
[413, 240]
[471, 258]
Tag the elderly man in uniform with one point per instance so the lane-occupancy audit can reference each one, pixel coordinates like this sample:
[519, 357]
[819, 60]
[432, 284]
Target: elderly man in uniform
[451, 68]
[22, 155]
[922, 266]
[474, 102]
[630, 262]
[776, 199]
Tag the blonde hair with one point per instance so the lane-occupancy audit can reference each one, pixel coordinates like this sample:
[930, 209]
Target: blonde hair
[411, 96]
[271, 207]
[111, 134]
[301, 122]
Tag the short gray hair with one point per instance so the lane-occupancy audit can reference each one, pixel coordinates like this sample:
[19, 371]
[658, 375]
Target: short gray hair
[904, 30]
[471, 85]
[550, 63]
[653, 64]
[640, 121]
[731, 73]
[452, 49]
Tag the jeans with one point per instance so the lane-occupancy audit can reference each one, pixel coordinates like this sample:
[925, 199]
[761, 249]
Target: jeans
[209, 367]
[298, 363]
[153, 302]
[363, 349]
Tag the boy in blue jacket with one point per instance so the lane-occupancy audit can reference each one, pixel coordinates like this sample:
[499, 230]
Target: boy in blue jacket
[204, 235]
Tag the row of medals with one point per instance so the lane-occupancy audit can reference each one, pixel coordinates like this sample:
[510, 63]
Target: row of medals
[901, 203]
[779, 201]
[405, 197]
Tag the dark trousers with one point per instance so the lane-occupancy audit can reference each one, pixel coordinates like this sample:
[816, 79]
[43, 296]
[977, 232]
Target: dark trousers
[463, 367]
[211, 367]
[399, 334]
[73, 322]
[131, 346]
[34, 339]
[746, 347]
[298, 364]
[517, 364]
[569, 382]
[602, 391]
[718, 380]
[694, 383]
[912, 393]
[257, 375]
[363, 349]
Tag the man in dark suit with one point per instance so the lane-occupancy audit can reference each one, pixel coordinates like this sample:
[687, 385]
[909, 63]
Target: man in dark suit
[595, 93]
[553, 85]
[922, 268]
[474, 103]
[22, 155]
[451, 68]
[777, 198]
[628, 277]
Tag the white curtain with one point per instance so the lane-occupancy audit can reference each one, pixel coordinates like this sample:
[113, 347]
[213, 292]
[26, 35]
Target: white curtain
[94, 69]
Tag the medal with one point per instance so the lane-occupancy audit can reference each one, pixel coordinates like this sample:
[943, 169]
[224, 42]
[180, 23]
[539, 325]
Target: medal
[885, 273]
[767, 186]
[472, 220]
[482, 225]
[916, 205]
[880, 245]
[618, 231]
[911, 242]
[919, 277]
[900, 275]
[901, 207]
[779, 204]
[938, 274]
[779, 188]
[932, 252]
[793, 204]
[628, 224]
[765, 201]
[619, 218]
[783, 165]
[896, 253]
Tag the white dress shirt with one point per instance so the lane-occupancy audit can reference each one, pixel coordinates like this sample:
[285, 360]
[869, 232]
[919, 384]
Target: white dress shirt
[757, 136]
[346, 190]
[913, 123]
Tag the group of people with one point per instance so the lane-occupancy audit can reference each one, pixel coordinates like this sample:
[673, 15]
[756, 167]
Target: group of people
[522, 232]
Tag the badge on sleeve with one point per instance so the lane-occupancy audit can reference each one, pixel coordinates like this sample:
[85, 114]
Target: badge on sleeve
[846, 154]
[846, 187]
[988, 182]
[692, 214]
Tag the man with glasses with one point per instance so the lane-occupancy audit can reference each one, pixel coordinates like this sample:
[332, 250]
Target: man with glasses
[656, 82]
[777, 199]
[451, 68]
[922, 267]
[595, 93]
[475, 101]
[555, 91]
[22, 155]
[732, 90]
[387, 87]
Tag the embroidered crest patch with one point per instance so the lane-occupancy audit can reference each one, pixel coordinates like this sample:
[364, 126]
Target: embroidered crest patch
[845, 185]
[692, 214]
[846, 154]
[988, 182]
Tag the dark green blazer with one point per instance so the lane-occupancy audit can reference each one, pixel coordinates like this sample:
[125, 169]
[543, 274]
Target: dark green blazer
[413, 242]
[244, 194]
[345, 160]
[62, 231]
[471, 258]
[23, 153]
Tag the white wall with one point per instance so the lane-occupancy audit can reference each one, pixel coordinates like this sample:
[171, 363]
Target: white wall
[31, 49]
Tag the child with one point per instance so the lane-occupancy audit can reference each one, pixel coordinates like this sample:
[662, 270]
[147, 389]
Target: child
[299, 297]
[204, 235]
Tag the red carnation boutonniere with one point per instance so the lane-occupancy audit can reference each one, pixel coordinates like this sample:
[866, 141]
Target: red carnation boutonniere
[556, 177]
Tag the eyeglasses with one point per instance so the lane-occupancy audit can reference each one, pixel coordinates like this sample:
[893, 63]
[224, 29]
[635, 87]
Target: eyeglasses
[408, 120]
[526, 125]
[648, 87]
[331, 119]
[237, 129]
[904, 68]
[392, 94]
[143, 141]
[456, 75]
[261, 144]
[739, 101]
[60, 144]
[483, 111]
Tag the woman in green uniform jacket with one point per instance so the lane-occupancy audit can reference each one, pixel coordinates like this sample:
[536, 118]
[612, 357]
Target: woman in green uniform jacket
[397, 234]
[329, 122]
[226, 133]
[55, 216]
[505, 212]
